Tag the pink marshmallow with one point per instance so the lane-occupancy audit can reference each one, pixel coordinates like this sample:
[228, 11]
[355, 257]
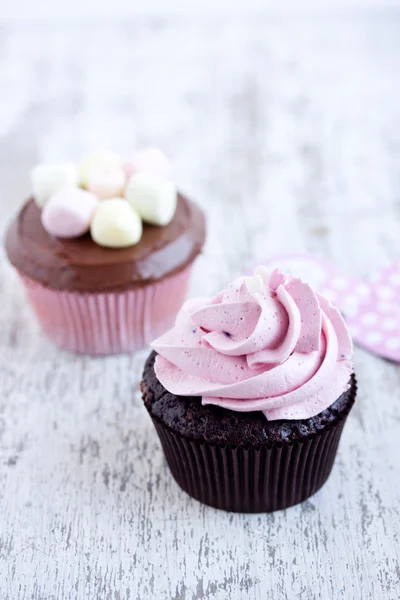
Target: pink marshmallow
[106, 183]
[149, 160]
[69, 212]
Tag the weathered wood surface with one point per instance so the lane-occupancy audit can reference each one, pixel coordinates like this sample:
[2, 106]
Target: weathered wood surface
[287, 131]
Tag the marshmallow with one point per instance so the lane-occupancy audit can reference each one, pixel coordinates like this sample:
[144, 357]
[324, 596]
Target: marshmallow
[149, 160]
[47, 179]
[106, 183]
[69, 212]
[154, 199]
[94, 161]
[116, 224]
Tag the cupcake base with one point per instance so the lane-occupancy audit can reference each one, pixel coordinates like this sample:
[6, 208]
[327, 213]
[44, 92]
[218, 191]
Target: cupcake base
[107, 323]
[270, 466]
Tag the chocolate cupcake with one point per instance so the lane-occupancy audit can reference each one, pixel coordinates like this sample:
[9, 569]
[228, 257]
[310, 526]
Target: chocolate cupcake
[249, 393]
[105, 251]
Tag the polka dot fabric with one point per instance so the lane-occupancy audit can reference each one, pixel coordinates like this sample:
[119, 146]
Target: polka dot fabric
[371, 309]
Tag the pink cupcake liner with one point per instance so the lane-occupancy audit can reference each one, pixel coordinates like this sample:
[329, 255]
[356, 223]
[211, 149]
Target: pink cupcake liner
[111, 322]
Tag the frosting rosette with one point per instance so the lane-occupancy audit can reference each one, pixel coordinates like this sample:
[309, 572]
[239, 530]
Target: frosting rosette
[265, 343]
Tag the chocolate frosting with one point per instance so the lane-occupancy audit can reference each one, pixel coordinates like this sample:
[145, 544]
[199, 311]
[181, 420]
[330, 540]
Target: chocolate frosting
[82, 265]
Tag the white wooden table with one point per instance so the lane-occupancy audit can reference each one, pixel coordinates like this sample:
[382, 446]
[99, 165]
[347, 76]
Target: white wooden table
[287, 131]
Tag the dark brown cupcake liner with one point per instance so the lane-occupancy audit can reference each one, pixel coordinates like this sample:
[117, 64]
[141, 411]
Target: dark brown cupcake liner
[250, 479]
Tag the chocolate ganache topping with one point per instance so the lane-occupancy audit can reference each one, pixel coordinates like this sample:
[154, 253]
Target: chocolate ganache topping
[82, 265]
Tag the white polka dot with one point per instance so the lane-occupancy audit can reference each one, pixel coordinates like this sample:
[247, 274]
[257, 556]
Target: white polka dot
[392, 343]
[330, 294]
[386, 307]
[339, 283]
[385, 292]
[354, 330]
[369, 318]
[351, 300]
[350, 305]
[363, 289]
[390, 325]
[374, 337]
[395, 279]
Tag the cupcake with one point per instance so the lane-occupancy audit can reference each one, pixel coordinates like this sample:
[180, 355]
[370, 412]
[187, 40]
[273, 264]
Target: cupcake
[105, 249]
[249, 393]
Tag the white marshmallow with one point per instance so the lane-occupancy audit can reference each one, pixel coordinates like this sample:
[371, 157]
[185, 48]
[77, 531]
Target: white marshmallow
[154, 198]
[47, 179]
[106, 183]
[116, 224]
[94, 161]
[69, 212]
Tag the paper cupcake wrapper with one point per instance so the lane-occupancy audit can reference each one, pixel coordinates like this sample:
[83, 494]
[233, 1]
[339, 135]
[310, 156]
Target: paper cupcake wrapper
[248, 479]
[108, 323]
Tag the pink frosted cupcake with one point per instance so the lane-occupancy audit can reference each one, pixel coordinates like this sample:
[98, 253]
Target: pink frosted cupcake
[249, 393]
[105, 251]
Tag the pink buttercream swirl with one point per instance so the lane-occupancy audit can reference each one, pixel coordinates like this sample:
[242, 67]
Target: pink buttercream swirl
[266, 343]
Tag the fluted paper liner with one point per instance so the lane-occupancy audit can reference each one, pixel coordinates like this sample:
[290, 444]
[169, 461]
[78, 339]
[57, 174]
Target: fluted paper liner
[108, 323]
[249, 479]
